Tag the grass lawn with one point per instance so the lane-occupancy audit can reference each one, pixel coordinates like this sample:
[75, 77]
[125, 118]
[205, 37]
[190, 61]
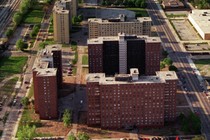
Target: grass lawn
[51, 28]
[74, 45]
[28, 118]
[176, 15]
[84, 60]
[74, 70]
[31, 91]
[11, 65]
[9, 86]
[34, 17]
[140, 12]
[200, 63]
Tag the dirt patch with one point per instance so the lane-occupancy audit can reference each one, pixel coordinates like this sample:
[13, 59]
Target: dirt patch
[54, 128]
[97, 133]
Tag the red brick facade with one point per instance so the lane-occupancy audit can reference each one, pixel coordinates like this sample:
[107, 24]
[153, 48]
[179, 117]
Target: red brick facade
[114, 105]
[45, 94]
[152, 61]
[47, 99]
[95, 53]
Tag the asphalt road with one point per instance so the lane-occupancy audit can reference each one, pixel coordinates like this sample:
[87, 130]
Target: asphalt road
[198, 100]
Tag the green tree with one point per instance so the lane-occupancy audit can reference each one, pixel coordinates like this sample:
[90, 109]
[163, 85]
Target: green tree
[164, 53]
[67, 118]
[74, 20]
[80, 17]
[143, 4]
[172, 68]
[26, 133]
[21, 45]
[9, 32]
[125, 2]
[162, 65]
[138, 3]
[17, 18]
[23, 8]
[117, 2]
[35, 31]
[25, 101]
[168, 61]
[72, 137]
[83, 136]
[103, 3]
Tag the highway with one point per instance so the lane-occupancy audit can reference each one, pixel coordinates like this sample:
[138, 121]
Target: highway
[193, 88]
[6, 12]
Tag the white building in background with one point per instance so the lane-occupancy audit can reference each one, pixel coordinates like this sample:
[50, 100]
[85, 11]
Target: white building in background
[200, 19]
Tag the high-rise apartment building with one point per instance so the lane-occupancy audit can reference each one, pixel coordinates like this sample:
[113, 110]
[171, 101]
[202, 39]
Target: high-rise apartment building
[111, 27]
[117, 54]
[47, 78]
[127, 100]
[63, 11]
[45, 93]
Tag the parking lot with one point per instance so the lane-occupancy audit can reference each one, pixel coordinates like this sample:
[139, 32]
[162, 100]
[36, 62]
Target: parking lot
[185, 30]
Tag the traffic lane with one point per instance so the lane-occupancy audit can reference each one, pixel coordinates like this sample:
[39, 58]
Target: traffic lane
[188, 68]
[198, 92]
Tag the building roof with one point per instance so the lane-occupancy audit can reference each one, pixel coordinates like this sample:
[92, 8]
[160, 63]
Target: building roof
[60, 6]
[100, 40]
[167, 75]
[160, 77]
[100, 77]
[173, 3]
[46, 72]
[48, 50]
[44, 57]
[111, 21]
[202, 19]
[39, 64]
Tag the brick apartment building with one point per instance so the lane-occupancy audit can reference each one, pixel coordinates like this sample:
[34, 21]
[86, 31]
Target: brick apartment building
[111, 27]
[128, 100]
[117, 54]
[47, 78]
[63, 12]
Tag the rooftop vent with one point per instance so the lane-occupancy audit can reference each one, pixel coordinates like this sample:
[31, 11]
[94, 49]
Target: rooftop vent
[47, 71]
[109, 80]
[96, 77]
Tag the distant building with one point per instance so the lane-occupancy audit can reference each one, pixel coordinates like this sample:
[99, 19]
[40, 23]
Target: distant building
[171, 4]
[200, 19]
[47, 78]
[111, 27]
[117, 54]
[127, 100]
[63, 12]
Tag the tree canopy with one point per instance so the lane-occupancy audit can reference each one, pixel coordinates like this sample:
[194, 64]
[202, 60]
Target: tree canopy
[83, 136]
[67, 117]
[126, 3]
[21, 45]
[26, 133]
[25, 101]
